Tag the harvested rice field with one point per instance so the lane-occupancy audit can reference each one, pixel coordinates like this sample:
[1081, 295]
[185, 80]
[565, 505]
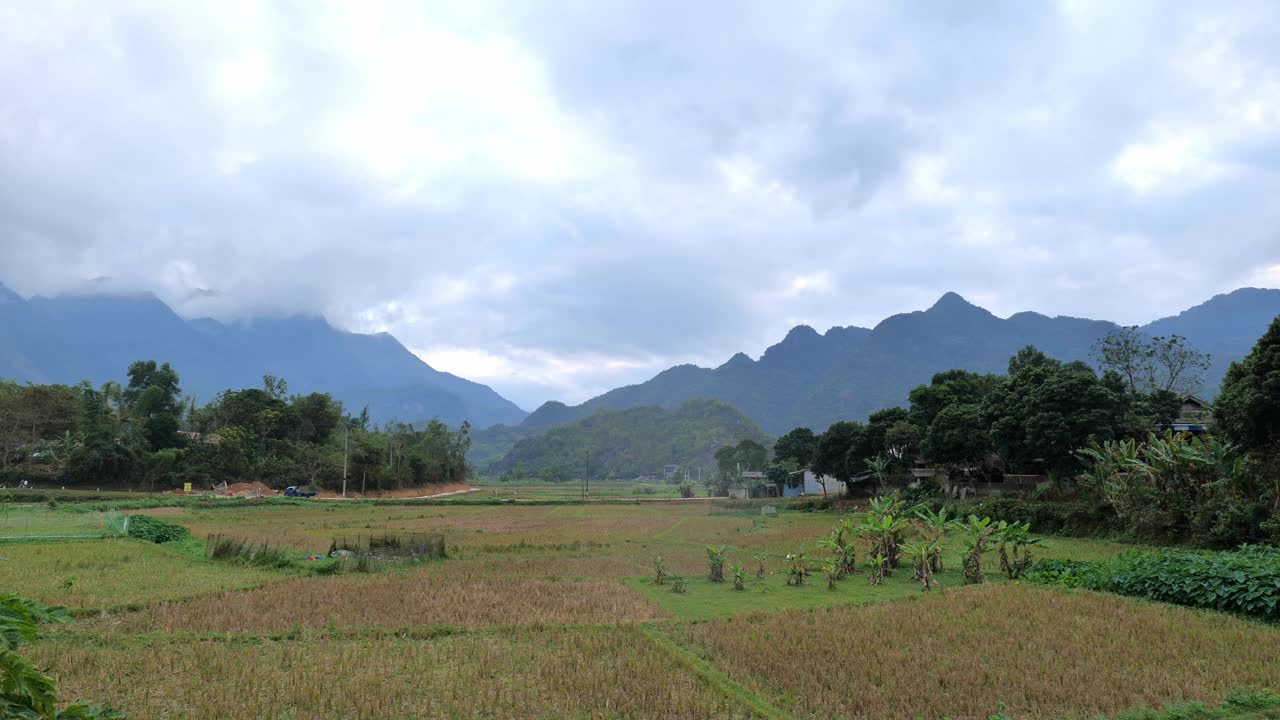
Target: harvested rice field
[553, 611]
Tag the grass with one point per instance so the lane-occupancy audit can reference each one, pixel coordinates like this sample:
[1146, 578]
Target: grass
[1042, 653]
[104, 574]
[561, 673]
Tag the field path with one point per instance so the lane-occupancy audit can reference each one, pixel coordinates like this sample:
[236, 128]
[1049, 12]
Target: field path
[714, 676]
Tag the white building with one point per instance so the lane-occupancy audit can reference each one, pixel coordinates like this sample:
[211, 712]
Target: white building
[813, 485]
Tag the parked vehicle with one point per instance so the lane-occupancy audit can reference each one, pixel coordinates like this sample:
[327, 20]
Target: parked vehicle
[293, 491]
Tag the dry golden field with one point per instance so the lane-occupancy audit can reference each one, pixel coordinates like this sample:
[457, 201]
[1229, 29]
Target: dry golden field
[550, 611]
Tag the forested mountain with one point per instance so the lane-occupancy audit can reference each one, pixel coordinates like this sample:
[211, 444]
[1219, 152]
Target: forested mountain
[632, 442]
[67, 339]
[811, 379]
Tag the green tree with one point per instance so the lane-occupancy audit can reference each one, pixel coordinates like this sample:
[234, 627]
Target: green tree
[1027, 357]
[840, 451]
[1045, 412]
[751, 455]
[318, 416]
[958, 436]
[953, 387]
[902, 440]
[145, 375]
[1247, 410]
[796, 446]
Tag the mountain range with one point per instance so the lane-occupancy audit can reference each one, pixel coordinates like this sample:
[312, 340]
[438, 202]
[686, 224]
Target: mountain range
[66, 339]
[814, 379]
[807, 379]
[633, 442]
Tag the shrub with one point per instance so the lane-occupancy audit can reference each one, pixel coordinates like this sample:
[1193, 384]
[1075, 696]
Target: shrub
[220, 547]
[145, 527]
[678, 583]
[1245, 582]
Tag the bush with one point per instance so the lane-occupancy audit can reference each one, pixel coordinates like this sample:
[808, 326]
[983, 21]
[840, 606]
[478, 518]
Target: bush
[220, 547]
[1047, 517]
[145, 527]
[1225, 521]
[922, 492]
[1245, 582]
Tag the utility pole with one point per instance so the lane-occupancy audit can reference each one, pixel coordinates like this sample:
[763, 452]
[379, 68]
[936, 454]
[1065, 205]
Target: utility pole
[586, 476]
[346, 432]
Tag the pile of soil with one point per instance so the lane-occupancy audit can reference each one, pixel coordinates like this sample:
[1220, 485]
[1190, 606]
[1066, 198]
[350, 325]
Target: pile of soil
[253, 489]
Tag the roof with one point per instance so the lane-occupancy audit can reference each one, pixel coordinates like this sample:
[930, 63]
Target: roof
[753, 474]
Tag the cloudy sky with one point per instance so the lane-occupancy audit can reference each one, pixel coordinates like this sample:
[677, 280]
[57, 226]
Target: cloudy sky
[560, 197]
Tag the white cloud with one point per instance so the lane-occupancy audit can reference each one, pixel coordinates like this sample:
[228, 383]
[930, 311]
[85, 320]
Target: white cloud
[560, 200]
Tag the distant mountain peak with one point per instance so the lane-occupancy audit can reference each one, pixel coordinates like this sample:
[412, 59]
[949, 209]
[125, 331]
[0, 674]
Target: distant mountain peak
[951, 305]
[738, 360]
[801, 332]
[951, 300]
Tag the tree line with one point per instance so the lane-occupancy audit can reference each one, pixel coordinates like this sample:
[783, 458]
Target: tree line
[1102, 435]
[147, 433]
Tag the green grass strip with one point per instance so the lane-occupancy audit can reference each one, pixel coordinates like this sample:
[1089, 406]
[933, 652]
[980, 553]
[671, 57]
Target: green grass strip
[712, 674]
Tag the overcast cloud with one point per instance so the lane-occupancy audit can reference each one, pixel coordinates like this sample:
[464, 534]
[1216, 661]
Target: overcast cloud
[558, 198]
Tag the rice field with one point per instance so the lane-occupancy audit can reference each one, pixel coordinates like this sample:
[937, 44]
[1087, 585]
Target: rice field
[391, 601]
[550, 611]
[563, 673]
[1043, 653]
[115, 573]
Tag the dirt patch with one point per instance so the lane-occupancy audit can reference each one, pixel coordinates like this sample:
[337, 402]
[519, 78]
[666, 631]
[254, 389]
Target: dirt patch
[253, 489]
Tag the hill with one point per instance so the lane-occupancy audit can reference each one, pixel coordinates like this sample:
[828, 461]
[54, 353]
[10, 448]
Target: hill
[812, 379]
[634, 442]
[67, 339]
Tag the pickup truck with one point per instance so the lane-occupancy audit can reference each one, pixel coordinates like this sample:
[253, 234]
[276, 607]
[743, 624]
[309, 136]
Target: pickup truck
[293, 491]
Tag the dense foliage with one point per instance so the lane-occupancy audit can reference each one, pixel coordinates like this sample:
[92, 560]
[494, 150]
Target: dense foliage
[145, 527]
[146, 433]
[1030, 421]
[1246, 581]
[631, 443]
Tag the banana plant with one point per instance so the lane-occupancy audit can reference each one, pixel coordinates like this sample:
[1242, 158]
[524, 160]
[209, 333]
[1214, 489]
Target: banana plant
[797, 567]
[1018, 538]
[739, 577]
[936, 525]
[921, 555]
[879, 567]
[885, 533]
[659, 571]
[832, 570]
[977, 533]
[843, 552]
[762, 568]
[715, 563]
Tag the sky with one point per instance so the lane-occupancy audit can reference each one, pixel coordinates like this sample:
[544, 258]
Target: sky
[559, 198]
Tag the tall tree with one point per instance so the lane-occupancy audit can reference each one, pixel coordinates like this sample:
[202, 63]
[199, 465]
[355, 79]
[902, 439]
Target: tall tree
[840, 451]
[797, 447]
[1248, 406]
[1176, 366]
[1126, 351]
